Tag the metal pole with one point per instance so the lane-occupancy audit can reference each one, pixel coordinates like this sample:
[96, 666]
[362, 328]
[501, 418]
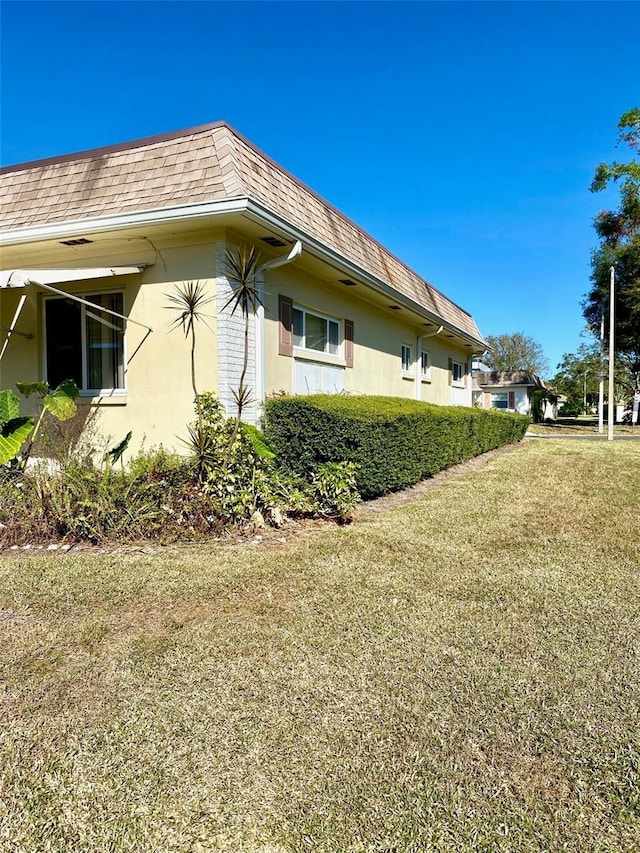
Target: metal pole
[601, 385]
[612, 402]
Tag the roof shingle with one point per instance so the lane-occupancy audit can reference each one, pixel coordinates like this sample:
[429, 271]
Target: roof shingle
[204, 164]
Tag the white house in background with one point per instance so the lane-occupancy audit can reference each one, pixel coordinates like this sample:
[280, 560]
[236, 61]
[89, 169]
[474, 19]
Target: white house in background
[507, 390]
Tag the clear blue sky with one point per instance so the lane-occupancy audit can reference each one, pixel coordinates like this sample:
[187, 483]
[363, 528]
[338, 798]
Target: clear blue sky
[461, 135]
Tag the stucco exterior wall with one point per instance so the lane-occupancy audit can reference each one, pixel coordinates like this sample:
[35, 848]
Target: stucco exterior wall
[157, 402]
[378, 338]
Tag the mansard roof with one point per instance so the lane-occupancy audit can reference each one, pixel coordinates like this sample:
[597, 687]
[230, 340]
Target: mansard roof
[202, 165]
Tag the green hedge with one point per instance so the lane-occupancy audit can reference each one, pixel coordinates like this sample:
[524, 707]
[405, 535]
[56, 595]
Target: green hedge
[394, 442]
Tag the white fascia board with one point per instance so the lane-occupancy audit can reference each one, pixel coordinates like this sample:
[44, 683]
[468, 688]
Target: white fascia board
[259, 213]
[120, 221]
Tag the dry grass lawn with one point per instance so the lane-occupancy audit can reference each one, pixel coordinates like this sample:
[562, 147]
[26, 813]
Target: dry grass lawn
[457, 674]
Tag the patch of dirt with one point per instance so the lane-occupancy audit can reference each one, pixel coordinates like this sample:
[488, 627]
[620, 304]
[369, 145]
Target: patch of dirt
[292, 527]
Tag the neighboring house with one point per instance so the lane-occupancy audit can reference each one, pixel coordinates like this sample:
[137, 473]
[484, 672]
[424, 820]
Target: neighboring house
[93, 245]
[508, 390]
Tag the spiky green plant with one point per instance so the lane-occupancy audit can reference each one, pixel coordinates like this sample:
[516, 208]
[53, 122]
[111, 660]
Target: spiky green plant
[189, 300]
[242, 271]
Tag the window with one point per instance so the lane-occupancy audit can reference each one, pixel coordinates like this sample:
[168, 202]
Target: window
[457, 373]
[85, 345]
[314, 332]
[425, 365]
[406, 358]
[500, 400]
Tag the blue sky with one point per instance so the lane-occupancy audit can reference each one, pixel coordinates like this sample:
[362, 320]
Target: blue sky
[461, 135]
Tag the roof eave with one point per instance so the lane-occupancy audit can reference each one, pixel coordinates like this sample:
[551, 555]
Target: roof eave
[314, 246]
[253, 210]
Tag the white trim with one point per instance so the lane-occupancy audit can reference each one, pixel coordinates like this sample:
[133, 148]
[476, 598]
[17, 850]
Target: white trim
[309, 352]
[407, 371]
[254, 211]
[23, 277]
[82, 301]
[425, 375]
[84, 390]
[119, 221]
[263, 216]
[45, 277]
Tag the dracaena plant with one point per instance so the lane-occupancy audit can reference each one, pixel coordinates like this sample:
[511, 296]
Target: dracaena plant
[242, 271]
[189, 301]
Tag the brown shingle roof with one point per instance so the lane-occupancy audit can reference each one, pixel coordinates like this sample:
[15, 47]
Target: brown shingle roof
[500, 378]
[203, 164]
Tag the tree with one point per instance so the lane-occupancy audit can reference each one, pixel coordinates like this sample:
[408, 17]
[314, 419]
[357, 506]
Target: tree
[619, 234]
[578, 376]
[515, 352]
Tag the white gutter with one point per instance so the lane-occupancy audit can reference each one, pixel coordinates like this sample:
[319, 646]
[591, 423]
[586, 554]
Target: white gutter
[253, 210]
[280, 261]
[313, 246]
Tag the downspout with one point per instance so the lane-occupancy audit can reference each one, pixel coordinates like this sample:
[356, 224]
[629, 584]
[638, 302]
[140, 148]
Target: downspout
[280, 261]
[473, 355]
[418, 392]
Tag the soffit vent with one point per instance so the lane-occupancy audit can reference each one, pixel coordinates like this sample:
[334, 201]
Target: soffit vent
[348, 282]
[273, 241]
[76, 241]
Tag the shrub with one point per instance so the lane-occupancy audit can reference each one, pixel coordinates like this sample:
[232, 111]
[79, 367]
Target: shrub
[393, 442]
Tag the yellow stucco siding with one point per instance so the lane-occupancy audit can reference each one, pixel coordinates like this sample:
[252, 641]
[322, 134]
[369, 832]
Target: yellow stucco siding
[378, 338]
[157, 402]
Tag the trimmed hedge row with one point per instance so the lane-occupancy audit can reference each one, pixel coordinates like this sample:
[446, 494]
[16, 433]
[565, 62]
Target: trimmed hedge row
[394, 442]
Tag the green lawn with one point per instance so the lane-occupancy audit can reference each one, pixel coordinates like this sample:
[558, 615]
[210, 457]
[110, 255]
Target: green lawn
[460, 674]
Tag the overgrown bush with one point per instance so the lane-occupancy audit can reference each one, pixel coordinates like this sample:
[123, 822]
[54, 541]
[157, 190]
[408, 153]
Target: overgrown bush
[392, 442]
[228, 479]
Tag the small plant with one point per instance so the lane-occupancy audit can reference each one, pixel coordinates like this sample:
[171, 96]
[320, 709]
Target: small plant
[19, 432]
[334, 488]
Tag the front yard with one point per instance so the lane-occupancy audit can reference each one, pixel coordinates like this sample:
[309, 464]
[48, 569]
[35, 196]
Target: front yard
[458, 674]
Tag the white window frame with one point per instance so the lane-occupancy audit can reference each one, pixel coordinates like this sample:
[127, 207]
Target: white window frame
[406, 359]
[105, 319]
[425, 365]
[504, 398]
[310, 351]
[459, 383]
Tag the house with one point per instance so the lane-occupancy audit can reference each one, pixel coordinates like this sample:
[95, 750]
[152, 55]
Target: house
[94, 244]
[508, 390]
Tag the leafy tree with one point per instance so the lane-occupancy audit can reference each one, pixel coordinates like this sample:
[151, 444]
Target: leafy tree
[578, 374]
[515, 352]
[619, 234]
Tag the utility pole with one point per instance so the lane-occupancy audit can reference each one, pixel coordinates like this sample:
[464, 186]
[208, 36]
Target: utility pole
[612, 403]
[601, 384]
